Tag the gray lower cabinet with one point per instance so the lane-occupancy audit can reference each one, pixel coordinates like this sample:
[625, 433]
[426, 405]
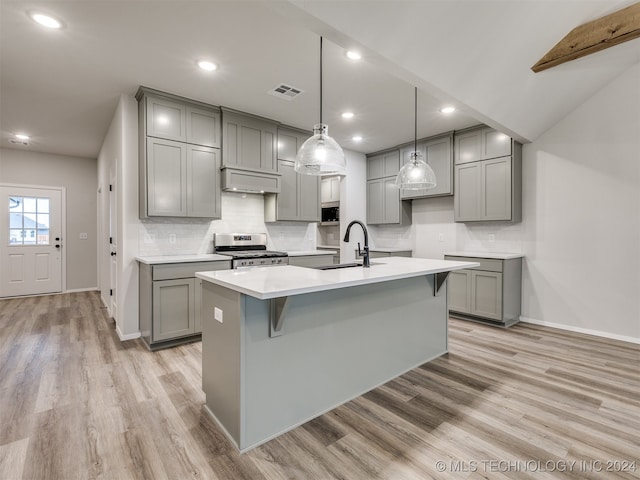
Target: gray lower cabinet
[490, 292]
[179, 157]
[175, 309]
[170, 299]
[311, 260]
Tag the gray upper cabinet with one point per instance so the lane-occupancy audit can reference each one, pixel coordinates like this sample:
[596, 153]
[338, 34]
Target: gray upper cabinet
[383, 165]
[438, 153]
[203, 127]
[468, 146]
[481, 143]
[166, 118]
[299, 197]
[495, 144]
[166, 178]
[203, 171]
[488, 189]
[249, 142]
[384, 206]
[179, 159]
[330, 190]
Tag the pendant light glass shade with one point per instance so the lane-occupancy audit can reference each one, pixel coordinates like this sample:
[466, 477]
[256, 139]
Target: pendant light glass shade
[320, 154]
[416, 174]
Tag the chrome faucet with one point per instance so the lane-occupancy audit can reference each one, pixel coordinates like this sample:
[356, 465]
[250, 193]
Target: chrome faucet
[365, 252]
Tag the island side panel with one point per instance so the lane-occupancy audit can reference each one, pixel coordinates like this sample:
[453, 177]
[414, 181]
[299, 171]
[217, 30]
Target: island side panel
[221, 356]
[335, 345]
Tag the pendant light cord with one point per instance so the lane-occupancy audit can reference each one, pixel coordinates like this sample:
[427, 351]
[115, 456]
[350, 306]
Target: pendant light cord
[415, 123]
[321, 80]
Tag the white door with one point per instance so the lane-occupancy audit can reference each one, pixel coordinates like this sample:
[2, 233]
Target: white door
[30, 241]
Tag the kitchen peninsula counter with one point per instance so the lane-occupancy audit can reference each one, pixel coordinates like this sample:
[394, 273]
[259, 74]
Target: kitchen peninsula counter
[282, 345]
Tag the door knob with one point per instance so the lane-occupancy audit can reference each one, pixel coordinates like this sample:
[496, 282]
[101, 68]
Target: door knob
[113, 254]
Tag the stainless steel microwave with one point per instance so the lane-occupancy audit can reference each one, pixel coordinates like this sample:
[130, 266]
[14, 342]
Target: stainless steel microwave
[330, 212]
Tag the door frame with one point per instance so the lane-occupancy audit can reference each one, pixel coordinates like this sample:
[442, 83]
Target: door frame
[63, 227]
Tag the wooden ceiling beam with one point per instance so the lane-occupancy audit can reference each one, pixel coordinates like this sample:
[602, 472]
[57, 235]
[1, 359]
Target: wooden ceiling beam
[604, 32]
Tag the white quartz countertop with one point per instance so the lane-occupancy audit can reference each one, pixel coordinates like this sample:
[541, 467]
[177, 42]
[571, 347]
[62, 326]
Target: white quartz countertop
[302, 253]
[204, 257]
[496, 255]
[272, 282]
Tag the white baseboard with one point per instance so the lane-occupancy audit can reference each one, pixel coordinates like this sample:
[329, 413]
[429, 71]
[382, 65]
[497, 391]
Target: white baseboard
[570, 328]
[76, 290]
[130, 336]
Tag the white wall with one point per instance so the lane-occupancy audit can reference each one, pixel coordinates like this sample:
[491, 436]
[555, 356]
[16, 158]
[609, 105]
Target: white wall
[119, 156]
[353, 203]
[582, 215]
[78, 177]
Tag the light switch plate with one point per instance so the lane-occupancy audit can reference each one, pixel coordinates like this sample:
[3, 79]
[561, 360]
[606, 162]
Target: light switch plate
[217, 314]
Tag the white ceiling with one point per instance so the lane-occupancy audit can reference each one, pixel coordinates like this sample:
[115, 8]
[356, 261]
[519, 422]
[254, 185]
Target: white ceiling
[62, 87]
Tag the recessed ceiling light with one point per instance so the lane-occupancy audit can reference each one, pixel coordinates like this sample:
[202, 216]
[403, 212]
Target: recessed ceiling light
[448, 109]
[45, 20]
[22, 136]
[353, 55]
[356, 138]
[347, 115]
[207, 65]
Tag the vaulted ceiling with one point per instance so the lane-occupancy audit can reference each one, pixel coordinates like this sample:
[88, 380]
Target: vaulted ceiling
[62, 87]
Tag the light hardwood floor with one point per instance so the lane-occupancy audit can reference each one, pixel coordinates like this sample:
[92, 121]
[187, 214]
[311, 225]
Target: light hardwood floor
[526, 402]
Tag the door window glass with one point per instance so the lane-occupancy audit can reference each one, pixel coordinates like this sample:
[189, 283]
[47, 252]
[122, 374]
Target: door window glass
[29, 221]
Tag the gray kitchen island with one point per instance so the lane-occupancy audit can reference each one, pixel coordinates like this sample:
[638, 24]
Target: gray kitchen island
[282, 345]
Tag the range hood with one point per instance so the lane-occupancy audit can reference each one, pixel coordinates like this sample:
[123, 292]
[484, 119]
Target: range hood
[238, 179]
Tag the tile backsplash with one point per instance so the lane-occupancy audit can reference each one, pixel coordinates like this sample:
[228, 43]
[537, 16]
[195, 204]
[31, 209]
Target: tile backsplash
[240, 213]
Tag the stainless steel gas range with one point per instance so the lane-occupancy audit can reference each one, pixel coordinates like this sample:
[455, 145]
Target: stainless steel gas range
[248, 250]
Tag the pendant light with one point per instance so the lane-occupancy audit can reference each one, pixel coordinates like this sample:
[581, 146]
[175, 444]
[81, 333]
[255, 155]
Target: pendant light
[320, 154]
[416, 174]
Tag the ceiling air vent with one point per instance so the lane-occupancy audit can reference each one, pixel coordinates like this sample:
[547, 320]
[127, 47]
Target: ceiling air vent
[287, 92]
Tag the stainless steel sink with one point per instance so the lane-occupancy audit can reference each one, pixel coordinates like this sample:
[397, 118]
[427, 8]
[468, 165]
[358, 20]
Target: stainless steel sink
[335, 266]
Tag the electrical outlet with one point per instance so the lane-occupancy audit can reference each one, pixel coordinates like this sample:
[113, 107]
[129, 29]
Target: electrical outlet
[149, 238]
[83, 236]
[441, 237]
[217, 314]
[280, 235]
[492, 238]
[172, 238]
